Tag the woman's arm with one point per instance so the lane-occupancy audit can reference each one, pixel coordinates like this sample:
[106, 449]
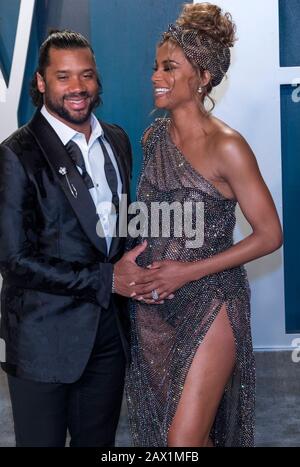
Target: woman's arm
[239, 169]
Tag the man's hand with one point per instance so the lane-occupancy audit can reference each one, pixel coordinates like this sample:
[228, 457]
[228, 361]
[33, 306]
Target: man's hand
[127, 272]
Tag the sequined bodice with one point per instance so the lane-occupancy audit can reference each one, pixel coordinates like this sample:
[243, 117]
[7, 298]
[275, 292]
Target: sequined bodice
[168, 177]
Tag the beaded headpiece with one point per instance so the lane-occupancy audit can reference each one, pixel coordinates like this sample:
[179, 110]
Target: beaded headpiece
[201, 49]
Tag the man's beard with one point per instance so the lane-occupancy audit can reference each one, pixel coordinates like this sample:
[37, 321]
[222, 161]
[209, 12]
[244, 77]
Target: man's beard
[60, 110]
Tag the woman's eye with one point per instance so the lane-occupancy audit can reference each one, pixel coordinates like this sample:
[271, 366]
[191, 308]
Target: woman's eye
[165, 69]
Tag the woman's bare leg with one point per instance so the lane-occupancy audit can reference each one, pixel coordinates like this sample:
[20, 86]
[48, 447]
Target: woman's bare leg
[204, 386]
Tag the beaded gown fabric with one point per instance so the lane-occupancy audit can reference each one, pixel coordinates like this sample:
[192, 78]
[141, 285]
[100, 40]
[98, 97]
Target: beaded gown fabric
[165, 338]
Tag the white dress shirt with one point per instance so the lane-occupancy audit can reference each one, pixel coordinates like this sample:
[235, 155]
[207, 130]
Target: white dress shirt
[94, 163]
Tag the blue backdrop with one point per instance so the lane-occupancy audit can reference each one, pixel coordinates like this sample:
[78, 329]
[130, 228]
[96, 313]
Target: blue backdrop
[9, 11]
[124, 34]
[290, 122]
[289, 15]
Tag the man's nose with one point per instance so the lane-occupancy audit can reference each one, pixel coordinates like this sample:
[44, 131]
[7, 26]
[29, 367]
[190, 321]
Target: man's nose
[77, 84]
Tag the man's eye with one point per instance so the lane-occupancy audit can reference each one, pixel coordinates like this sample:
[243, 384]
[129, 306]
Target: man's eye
[88, 76]
[61, 78]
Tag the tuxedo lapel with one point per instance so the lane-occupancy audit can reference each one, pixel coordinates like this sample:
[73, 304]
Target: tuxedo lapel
[61, 163]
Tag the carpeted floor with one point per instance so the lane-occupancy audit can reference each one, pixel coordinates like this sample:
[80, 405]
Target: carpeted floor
[277, 406]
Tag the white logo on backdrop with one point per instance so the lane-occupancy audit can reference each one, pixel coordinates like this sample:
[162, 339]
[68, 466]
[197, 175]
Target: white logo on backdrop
[10, 95]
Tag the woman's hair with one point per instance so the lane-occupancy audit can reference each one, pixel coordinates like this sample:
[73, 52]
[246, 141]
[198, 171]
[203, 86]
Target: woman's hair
[209, 19]
[205, 34]
[58, 40]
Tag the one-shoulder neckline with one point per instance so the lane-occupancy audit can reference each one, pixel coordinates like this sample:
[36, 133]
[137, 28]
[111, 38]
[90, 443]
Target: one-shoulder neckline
[194, 170]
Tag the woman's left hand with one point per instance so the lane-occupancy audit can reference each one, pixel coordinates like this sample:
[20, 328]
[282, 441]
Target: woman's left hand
[165, 278]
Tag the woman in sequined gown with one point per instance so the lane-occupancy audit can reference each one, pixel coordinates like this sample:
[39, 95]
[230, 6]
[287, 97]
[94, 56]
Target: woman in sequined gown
[191, 381]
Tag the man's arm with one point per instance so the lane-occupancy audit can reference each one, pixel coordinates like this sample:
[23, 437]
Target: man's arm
[20, 262]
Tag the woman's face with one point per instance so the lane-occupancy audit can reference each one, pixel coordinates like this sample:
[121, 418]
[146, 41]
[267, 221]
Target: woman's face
[174, 79]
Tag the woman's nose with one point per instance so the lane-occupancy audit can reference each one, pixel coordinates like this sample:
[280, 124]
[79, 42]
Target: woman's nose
[156, 76]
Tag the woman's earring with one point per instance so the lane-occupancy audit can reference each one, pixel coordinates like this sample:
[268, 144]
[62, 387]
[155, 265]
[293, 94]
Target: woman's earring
[200, 90]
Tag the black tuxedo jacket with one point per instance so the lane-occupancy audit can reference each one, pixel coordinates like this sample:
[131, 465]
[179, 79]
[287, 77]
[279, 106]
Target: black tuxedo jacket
[56, 273]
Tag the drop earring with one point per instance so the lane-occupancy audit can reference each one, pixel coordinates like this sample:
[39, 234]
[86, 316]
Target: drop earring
[200, 90]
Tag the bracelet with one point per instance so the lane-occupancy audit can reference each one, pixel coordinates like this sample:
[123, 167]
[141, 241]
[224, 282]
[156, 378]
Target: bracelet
[113, 283]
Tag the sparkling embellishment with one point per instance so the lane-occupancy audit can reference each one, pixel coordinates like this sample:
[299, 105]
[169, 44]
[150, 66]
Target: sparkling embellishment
[165, 338]
[154, 294]
[202, 49]
[63, 171]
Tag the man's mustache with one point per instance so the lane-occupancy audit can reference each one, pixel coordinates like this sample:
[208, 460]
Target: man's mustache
[81, 95]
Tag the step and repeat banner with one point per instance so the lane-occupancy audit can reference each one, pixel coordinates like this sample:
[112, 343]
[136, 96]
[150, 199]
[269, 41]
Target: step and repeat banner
[260, 98]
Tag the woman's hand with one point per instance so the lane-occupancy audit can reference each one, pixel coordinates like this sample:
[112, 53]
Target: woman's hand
[165, 277]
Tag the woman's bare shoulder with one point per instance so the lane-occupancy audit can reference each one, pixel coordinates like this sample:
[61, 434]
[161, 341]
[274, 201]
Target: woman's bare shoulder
[232, 151]
[229, 144]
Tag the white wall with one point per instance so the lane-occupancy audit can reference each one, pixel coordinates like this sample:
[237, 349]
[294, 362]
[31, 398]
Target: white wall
[249, 101]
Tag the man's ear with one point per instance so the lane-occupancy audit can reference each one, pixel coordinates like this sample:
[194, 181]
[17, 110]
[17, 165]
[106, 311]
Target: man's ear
[40, 83]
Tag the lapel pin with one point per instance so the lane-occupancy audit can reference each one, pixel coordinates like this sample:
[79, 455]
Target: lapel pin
[63, 171]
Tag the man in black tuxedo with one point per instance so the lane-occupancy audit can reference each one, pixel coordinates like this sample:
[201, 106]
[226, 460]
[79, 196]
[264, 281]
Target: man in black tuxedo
[64, 328]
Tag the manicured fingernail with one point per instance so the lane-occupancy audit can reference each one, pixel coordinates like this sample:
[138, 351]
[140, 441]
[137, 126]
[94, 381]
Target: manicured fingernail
[133, 294]
[140, 298]
[149, 267]
[131, 284]
[171, 296]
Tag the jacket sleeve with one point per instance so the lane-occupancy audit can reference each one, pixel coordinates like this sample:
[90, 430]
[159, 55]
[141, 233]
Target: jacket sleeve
[21, 264]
